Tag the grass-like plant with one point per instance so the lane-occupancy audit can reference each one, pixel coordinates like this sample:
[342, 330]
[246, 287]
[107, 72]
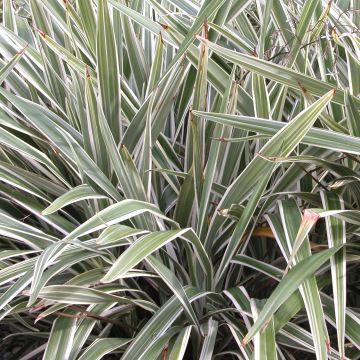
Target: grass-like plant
[180, 179]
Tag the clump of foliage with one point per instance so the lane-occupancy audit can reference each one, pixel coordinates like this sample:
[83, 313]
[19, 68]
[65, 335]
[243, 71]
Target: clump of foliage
[180, 179]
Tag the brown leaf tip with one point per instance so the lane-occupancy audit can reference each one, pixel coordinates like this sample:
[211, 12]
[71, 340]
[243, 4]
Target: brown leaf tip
[164, 26]
[201, 39]
[301, 86]
[20, 52]
[41, 33]
[328, 346]
[87, 72]
[311, 215]
[206, 28]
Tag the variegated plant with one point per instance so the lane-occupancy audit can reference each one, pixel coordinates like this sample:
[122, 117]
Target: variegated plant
[180, 178]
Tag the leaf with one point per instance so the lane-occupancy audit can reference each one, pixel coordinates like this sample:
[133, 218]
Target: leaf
[174, 284]
[146, 245]
[70, 294]
[336, 234]
[6, 70]
[282, 143]
[180, 345]
[277, 73]
[293, 226]
[101, 347]
[16, 288]
[61, 338]
[309, 220]
[158, 324]
[55, 129]
[287, 286]
[108, 74]
[42, 262]
[87, 16]
[115, 233]
[315, 137]
[10, 140]
[264, 341]
[81, 192]
[140, 250]
[353, 115]
[209, 342]
[85, 326]
[138, 64]
[213, 158]
[114, 214]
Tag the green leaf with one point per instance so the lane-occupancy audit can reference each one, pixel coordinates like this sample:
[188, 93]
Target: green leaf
[81, 192]
[336, 234]
[115, 233]
[294, 249]
[264, 341]
[353, 115]
[287, 286]
[87, 16]
[315, 137]
[70, 294]
[207, 350]
[114, 214]
[146, 245]
[108, 74]
[55, 129]
[180, 345]
[6, 70]
[277, 73]
[61, 338]
[101, 347]
[158, 324]
[282, 143]
[213, 158]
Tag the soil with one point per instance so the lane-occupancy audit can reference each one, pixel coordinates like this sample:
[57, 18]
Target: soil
[15, 347]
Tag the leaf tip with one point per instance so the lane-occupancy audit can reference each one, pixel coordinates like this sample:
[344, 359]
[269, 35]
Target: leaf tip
[311, 215]
[38, 318]
[20, 52]
[202, 39]
[41, 33]
[328, 346]
[87, 73]
[45, 212]
[164, 26]
[104, 280]
[206, 28]
[302, 87]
